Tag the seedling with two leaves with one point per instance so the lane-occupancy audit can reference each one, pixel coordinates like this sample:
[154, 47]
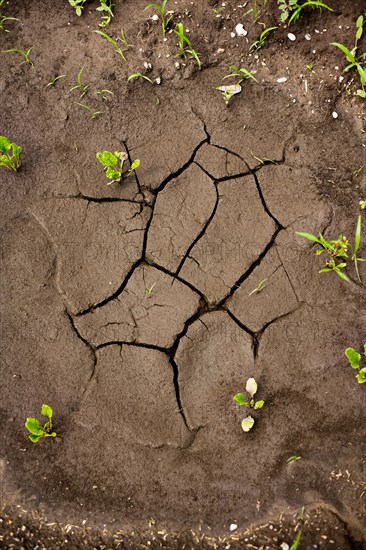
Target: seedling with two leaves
[23, 53]
[119, 50]
[354, 359]
[337, 251]
[229, 91]
[79, 86]
[353, 59]
[185, 45]
[139, 75]
[37, 431]
[249, 402]
[165, 20]
[113, 165]
[258, 44]
[291, 9]
[9, 154]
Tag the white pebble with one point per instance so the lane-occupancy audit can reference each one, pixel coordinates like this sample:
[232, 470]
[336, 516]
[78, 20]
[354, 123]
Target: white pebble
[232, 34]
[233, 526]
[284, 546]
[282, 79]
[334, 114]
[291, 37]
[307, 37]
[240, 31]
[155, 17]
[158, 80]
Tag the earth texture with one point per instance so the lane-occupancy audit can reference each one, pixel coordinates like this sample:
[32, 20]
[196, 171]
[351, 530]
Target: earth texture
[138, 310]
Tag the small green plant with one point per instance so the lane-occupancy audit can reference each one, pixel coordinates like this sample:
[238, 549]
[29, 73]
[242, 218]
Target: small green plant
[106, 6]
[9, 154]
[229, 91]
[149, 291]
[310, 67]
[354, 359]
[161, 11]
[293, 458]
[249, 402]
[79, 86]
[362, 204]
[23, 53]
[185, 45]
[295, 544]
[103, 93]
[78, 5]
[291, 9]
[263, 161]
[113, 165]
[139, 75]
[37, 431]
[119, 51]
[241, 73]
[259, 288]
[353, 59]
[94, 114]
[337, 251]
[4, 19]
[54, 79]
[258, 44]
[358, 171]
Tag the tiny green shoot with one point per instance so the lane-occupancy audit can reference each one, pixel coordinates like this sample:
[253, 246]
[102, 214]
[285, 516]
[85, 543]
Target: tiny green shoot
[9, 154]
[4, 19]
[161, 11]
[120, 51]
[185, 45]
[291, 9]
[94, 114]
[113, 165]
[78, 5]
[23, 53]
[263, 160]
[79, 86]
[106, 6]
[295, 544]
[358, 171]
[310, 67]
[240, 73]
[354, 359]
[228, 92]
[293, 458]
[103, 93]
[260, 287]
[258, 44]
[37, 431]
[54, 79]
[149, 291]
[362, 204]
[249, 402]
[139, 75]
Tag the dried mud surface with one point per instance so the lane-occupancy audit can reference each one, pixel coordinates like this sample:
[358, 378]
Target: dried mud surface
[129, 308]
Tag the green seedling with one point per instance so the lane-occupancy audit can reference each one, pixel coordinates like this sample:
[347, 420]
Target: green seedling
[241, 73]
[337, 251]
[9, 154]
[260, 287]
[103, 93]
[295, 544]
[119, 51]
[263, 160]
[4, 19]
[161, 11]
[354, 359]
[258, 44]
[362, 204]
[228, 92]
[106, 6]
[292, 459]
[23, 53]
[310, 67]
[255, 11]
[358, 171]
[93, 114]
[149, 291]
[37, 431]
[54, 79]
[139, 75]
[113, 165]
[78, 5]
[249, 402]
[185, 45]
[291, 9]
[353, 59]
[79, 86]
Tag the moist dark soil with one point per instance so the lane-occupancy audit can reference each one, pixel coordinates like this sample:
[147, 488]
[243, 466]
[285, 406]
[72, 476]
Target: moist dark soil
[133, 309]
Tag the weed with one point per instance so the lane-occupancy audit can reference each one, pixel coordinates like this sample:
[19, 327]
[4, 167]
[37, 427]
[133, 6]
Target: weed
[260, 287]
[54, 79]
[24, 53]
[251, 389]
[353, 59]
[37, 431]
[293, 458]
[9, 154]
[185, 45]
[354, 359]
[106, 7]
[258, 44]
[291, 9]
[79, 86]
[94, 114]
[139, 75]
[119, 51]
[78, 5]
[337, 251]
[113, 165]
[161, 11]
[4, 19]
[295, 544]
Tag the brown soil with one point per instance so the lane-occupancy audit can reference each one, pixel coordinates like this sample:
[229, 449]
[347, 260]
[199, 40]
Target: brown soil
[141, 383]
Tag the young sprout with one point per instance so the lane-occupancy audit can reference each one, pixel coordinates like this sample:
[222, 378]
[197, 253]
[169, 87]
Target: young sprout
[78, 5]
[228, 92]
[119, 51]
[54, 79]
[94, 114]
[79, 86]
[241, 73]
[354, 359]
[37, 431]
[4, 19]
[103, 93]
[263, 160]
[9, 154]
[139, 75]
[291, 9]
[161, 11]
[185, 45]
[260, 287]
[258, 44]
[362, 204]
[113, 165]
[106, 7]
[295, 544]
[148, 291]
[293, 458]
[240, 398]
[23, 53]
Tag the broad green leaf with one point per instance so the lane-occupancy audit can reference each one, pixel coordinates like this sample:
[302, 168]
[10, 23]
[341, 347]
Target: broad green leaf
[325, 270]
[361, 376]
[240, 399]
[251, 386]
[258, 405]
[34, 438]
[113, 174]
[16, 151]
[359, 26]
[247, 424]
[353, 357]
[350, 57]
[361, 93]
[107, 158]
[341, 275]
[34, 427]
[308, 236]
[5, 144]
[46, 410]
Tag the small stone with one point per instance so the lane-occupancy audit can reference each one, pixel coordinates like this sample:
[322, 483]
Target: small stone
[240, 31]
[334, 114]
[221, 50]
[282, 79]
[232, 34]
[307, 37]
[291, 37]
[155, 17]
[233, 526]
[284, 546]
[158, 80]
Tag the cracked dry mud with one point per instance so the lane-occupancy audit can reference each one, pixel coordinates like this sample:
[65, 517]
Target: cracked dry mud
[129, 308]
